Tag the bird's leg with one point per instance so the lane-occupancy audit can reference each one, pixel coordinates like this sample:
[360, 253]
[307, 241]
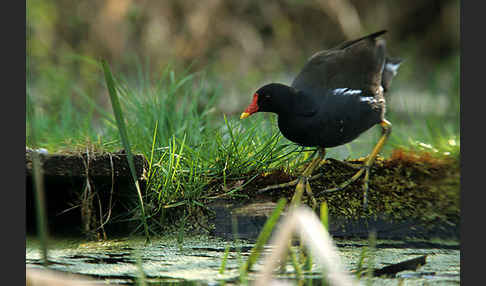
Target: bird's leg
[386, 130]
[303, 180]
[386, 127]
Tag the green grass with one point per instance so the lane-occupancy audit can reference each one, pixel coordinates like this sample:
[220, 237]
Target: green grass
[115, 103]
[195, 151]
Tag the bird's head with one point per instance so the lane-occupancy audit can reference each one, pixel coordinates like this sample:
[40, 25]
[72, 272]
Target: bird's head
[267, 99]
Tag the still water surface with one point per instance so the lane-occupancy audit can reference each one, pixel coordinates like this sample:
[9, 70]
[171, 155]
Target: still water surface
[197, 260]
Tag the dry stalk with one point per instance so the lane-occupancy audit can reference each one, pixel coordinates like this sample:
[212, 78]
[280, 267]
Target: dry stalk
[303, 222]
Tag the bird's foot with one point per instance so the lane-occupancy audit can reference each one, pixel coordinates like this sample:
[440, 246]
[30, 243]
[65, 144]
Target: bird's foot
[303, 184]
[363, 169]
[357, 166]
[288, 184]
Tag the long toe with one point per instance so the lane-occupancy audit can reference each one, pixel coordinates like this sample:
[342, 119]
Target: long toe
[279, 186]
[355, 165]
[299, 190]
[346, 183]
[308, 191]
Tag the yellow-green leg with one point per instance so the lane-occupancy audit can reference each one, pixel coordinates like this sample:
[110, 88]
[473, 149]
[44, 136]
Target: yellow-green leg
[303, 181]
[386, 126]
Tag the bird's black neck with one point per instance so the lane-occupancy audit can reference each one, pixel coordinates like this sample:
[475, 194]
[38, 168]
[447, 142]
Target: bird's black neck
[286, 100]
[296, 102]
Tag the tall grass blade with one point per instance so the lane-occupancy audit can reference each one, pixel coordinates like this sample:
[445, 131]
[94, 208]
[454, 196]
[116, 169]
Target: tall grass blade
[295, 262]
[371, 256]
[37, 176]
[141, 277]
[225, 259]
[264, 234]
[324, 215]
[40, 205]
[153, 148]
[124, 137]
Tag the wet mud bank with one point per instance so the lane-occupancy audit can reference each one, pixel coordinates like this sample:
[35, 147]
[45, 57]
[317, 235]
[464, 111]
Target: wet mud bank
[84, 193]
[411, 195]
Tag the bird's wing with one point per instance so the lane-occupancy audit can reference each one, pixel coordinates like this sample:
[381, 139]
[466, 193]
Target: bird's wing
[356, 65]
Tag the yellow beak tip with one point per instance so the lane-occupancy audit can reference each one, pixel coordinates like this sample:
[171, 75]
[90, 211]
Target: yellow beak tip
[244, 115]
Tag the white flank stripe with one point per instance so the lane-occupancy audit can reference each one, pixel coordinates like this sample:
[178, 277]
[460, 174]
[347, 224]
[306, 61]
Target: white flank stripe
[346, 91]
[368, 98]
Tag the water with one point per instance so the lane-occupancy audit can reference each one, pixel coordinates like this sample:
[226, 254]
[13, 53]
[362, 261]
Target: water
[197, 261]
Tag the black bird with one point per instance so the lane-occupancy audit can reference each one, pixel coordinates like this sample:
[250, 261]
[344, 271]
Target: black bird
[338, 95]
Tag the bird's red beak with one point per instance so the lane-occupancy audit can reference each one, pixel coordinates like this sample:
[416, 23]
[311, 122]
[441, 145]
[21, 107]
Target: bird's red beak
[252, 108]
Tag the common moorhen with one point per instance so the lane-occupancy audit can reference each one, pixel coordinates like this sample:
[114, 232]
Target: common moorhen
[338, 95]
